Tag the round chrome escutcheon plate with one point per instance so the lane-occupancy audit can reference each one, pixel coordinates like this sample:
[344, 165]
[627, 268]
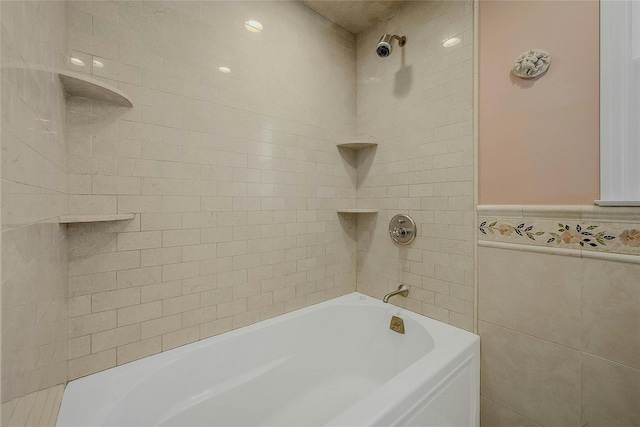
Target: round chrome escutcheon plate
[402, 229]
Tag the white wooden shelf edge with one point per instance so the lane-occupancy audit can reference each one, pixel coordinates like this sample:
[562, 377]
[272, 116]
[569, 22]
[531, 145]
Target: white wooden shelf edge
[357, 211]
[70, 219]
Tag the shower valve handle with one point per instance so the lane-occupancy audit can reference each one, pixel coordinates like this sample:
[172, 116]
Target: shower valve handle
[398, 232]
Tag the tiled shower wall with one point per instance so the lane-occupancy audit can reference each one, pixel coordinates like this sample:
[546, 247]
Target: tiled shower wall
[234, 178]
[418, 105]
[34, 168]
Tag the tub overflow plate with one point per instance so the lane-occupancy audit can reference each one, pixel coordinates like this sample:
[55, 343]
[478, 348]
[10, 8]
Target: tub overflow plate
[402, 229]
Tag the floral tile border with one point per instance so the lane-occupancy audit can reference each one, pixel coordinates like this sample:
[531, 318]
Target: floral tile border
[612, 237]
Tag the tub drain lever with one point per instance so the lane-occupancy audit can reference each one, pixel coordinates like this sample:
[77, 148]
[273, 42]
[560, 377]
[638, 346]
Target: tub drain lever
[397, 325]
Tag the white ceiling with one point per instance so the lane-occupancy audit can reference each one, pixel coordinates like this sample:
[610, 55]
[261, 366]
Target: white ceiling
[354, 16]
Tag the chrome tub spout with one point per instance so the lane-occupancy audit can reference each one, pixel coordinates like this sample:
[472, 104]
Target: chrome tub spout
[402, 290]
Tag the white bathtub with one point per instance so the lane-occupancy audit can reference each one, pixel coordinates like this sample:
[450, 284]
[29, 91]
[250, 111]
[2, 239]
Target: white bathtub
[335, 363]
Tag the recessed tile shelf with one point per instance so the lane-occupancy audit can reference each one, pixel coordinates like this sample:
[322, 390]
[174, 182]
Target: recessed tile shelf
[84, 85]
[358, 211]
[72, 219]
[357, 145]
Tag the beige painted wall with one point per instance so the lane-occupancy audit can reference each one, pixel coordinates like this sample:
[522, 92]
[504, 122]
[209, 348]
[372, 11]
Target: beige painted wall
[418, 105]
[539, 138]
[34, 185]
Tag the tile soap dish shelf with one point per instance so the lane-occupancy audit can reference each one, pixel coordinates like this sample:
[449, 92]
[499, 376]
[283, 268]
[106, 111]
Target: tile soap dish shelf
[75, 219]
[357, 211]
[78, 84]
[357, 145]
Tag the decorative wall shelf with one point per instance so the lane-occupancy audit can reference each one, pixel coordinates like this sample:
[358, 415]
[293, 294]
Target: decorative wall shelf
[84, 85]
[357, 145]
[73, 219]
[357, 211]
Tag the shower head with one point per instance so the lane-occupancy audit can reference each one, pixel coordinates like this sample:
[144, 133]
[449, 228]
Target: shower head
[385, 45]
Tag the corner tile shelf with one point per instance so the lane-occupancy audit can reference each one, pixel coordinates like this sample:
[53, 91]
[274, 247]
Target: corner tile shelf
[79, 84]
[357, 211]
[357, 145]
[84, 85]
[74, 219]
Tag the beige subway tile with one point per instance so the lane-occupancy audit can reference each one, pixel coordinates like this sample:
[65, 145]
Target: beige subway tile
[198, 252]
[137, 350]
[160, 221]
[92, 363]
[115, 299]
[81, 242]
[272, 310]
[437, 313]
[260, 300]
[180, 170]
[79, 347]
[180, 304]
[230, 308]
[79, 184]
[160, 291]
[217, 296]
[138, 277]
[160, 257]
[139, 168]
[180, 204]
[139, 313]
[199, 316]
[180, 237]
[199, 220]
[181, 337]
[450, 303]
[104, 262]
[79, 306]
[139, 240]
[198, 284]
[115, 337]
[140, 204]
[92, 323]
[92, 204]
[102, 184]
[246, 318]
[161, 187]
[163, 325]
[112, 146]
[92, 165]
[180, 271]
[246, 290]
[215, 327]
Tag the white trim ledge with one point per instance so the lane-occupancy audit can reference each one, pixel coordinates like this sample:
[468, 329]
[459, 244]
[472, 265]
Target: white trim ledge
[607, 256]
[617, 202]
[629, 214]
